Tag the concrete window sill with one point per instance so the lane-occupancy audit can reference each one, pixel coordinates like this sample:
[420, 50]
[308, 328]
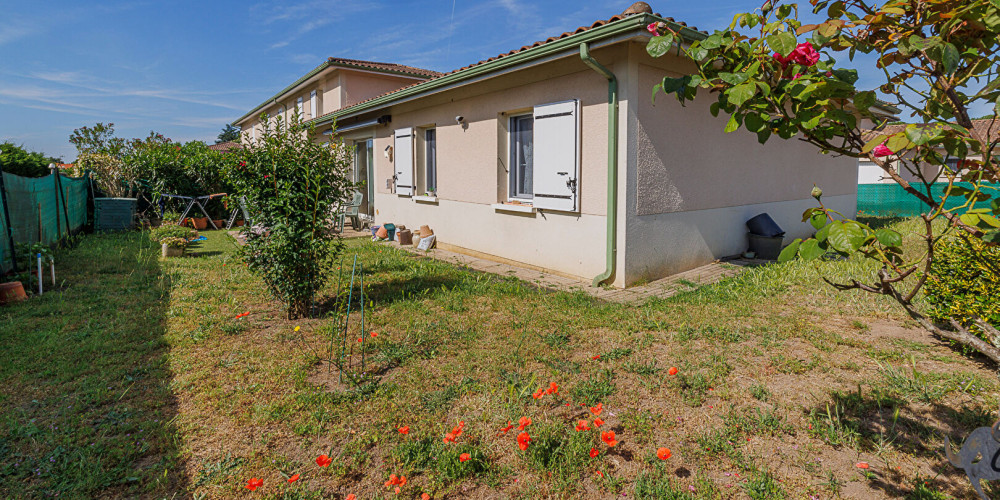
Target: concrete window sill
[426, 199]
[510, 207]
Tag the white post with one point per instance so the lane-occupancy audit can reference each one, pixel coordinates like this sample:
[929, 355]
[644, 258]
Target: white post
[40, 274]
[52, 263]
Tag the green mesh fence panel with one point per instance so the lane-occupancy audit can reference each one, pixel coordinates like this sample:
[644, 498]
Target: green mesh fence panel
[891, 200]
[36, 210]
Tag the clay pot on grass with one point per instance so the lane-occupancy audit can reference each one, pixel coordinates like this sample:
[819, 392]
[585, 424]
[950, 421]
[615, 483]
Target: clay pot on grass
[12, 292]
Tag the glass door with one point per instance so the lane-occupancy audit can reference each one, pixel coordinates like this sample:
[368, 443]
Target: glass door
[363, 173]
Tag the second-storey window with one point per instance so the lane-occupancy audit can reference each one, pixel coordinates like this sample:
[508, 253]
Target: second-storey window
[521, 146]
[312, 105]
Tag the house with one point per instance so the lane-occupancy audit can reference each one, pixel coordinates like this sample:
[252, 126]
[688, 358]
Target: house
[554, 157]
[334, 85]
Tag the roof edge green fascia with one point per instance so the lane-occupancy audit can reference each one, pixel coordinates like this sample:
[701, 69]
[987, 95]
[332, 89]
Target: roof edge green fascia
[571, 42]
[326, 64]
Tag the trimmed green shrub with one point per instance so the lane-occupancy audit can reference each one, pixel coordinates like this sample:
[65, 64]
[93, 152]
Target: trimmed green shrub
[964, 283]
[16, 160]
[171, 231]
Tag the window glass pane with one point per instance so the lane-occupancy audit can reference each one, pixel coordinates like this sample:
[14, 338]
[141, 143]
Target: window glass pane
[430, 146]
[521, 145]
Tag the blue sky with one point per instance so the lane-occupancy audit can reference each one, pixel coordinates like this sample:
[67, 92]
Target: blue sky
[186, 68]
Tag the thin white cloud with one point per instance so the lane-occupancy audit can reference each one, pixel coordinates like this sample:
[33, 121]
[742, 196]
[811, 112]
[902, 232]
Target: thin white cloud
[14, 29]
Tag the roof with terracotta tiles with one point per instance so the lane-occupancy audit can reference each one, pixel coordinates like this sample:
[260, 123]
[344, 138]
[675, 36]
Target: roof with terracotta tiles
[581, 29]
[225, 146]
[381, 66]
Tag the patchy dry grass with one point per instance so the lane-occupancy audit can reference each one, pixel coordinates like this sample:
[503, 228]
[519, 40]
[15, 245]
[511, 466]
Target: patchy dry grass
[783, 385]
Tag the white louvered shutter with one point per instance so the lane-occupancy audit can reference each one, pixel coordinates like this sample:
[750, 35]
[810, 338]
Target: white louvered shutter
[403, 158]
[556, 163]
[312, 105]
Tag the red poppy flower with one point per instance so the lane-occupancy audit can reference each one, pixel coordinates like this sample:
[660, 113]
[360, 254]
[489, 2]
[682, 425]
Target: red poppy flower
[609, 438]
[505, 429]
[425, 496]
[522, 440]
[538, 394]
[582, 426]
[359, 339]
[862, 465]
[594, 453]
[404, 430]
[397, 490]
[351, 497]
[596, 357]
[663, 453]
[523, 422]
[596, 410]
[672, 370]
[402, 480]
[323, 461]
[373, 334]
[254, 483]
[293, 478]
[464, 457]
[598, 422]
[450, 438]
[599, 473]
[553, 388]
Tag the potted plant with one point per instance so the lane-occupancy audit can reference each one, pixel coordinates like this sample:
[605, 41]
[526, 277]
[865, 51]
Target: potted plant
[116, 211]
[173, 246]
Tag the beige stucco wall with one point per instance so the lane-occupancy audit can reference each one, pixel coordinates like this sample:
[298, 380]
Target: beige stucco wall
[694, 186]
[360, 86]
[471, 168]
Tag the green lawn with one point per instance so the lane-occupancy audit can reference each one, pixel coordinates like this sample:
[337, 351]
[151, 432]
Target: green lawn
[137, 379]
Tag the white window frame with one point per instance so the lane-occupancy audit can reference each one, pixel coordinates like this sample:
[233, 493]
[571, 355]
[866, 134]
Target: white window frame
[430, 160]
[511, 160]
[312, 105]
[300, 107]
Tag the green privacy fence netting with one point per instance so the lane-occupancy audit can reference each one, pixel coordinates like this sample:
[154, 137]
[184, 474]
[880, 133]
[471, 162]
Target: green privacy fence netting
[891, 200]
[36, 210]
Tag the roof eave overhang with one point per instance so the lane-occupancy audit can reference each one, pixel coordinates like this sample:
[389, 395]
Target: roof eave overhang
[618, 30]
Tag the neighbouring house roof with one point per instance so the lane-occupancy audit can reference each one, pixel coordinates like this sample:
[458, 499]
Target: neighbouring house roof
[599, 30]
[339, 62]
[225, 146]
[982, 126]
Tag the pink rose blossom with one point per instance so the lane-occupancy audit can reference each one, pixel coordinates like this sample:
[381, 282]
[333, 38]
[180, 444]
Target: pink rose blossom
[803, 55]
[882, 151]
[652, 29]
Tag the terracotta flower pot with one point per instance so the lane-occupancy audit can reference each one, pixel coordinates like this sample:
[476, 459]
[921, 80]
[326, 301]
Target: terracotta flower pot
[200, 223]
[219, 223]
[12, 292]
[240, 222]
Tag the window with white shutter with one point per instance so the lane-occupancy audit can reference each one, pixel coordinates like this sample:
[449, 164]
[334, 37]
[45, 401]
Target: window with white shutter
[556, 156]
[312, 105]
[299, 108]
[403, 159]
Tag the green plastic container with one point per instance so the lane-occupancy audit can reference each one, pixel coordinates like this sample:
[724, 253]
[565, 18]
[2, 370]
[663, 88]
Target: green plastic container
[391, 229]
[114, 214]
